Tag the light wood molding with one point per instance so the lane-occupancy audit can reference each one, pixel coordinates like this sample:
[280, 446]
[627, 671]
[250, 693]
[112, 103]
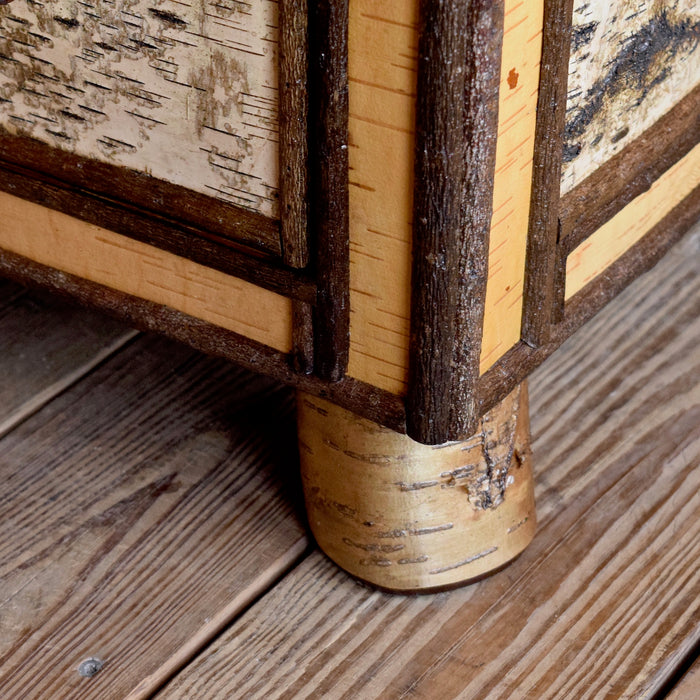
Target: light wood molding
[383, 45]
[57, 240]
[411, 517]
[630, 225]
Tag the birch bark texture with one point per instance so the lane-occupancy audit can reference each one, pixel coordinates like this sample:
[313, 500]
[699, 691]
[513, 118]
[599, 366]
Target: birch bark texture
[416, 518]
[631, 61]
[186, 92]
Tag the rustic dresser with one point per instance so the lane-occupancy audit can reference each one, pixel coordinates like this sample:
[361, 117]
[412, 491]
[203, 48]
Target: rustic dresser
[400, 208]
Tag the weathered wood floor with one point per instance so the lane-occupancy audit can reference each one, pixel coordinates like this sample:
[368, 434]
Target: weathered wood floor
[150, 518]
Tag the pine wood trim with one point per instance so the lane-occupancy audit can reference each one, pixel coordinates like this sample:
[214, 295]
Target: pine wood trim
[456, 126]
[518, 362]
[329, 177]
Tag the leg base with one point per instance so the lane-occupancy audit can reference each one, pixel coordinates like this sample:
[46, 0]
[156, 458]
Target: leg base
[409, 517]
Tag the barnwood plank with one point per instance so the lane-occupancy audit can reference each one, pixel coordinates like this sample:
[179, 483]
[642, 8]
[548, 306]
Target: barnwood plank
[606, 599]
[46, 345]
[141, 511]
[688, 688]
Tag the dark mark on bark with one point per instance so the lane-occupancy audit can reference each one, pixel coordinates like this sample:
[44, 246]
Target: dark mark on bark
[582, 35]
[168, 17]
[71, 115]
[68, 22]
[620, 134]
[371, 547]
[642, 64]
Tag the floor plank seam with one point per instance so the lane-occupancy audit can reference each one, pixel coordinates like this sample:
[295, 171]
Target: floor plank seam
[201, 650]
[51, 393]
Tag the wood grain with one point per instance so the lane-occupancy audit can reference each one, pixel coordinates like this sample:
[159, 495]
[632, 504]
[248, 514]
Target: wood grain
[46, 346]
[165, 88]
[329, 186]
[539, 294]
[629, 225]
[141, 512]
[688, 688]
[603, 601]
[57, 240]
[459, 67]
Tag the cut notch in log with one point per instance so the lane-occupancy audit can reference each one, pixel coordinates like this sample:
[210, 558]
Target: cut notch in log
[414, 518]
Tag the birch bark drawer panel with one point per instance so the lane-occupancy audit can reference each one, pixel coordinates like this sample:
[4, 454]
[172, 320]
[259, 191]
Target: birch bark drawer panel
[398, 208]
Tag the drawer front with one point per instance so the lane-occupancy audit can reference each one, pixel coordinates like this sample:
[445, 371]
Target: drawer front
[477, 179]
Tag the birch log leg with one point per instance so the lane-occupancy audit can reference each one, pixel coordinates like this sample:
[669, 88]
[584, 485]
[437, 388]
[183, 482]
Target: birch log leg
[410, 517]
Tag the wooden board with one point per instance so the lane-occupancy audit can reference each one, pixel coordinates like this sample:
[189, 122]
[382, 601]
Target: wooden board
[73, 246]
[603, 601]
[629, 225]
[630, 62]
[382, 69]
[47, 345]
[184, 92]
[140, 512]
[688, 688]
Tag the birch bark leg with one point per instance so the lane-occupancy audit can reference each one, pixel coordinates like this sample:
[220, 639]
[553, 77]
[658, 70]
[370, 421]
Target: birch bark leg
[410, 517]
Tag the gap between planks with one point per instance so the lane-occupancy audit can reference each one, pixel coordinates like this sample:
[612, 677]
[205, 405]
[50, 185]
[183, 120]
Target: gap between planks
[141, 510]
[49, 345]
